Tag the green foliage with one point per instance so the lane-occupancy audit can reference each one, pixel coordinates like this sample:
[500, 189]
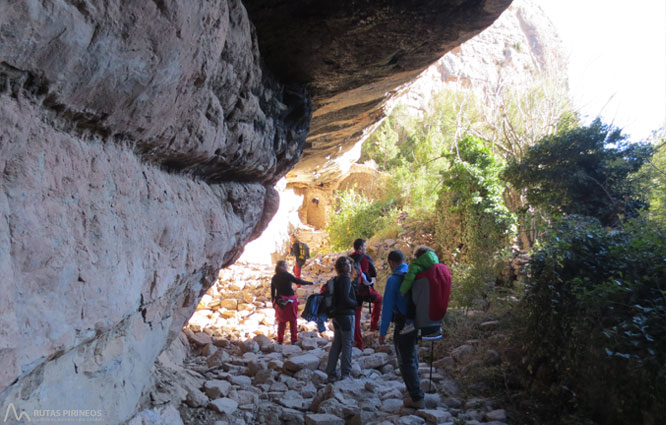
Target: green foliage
[595, 316]
[654, 175]
[415, 189]
[472, 225]
[582, 171]
[356, 216]
[382, 145]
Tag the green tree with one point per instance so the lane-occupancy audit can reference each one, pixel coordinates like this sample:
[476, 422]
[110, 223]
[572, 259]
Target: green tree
[583, 171]
[654, 174]
[356, 216]
[473, 227]
[595, 321]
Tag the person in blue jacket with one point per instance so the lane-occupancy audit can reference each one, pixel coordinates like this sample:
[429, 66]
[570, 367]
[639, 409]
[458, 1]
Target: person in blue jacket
[395, 309]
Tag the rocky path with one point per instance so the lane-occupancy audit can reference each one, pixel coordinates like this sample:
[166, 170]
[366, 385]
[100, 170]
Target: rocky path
[225, 368]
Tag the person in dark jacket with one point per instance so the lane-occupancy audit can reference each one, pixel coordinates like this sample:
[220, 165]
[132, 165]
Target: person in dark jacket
[285, 300]
[343, 321]
[301, 252]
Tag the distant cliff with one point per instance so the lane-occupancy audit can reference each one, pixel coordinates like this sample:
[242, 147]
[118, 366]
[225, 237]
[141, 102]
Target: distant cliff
[520, 49]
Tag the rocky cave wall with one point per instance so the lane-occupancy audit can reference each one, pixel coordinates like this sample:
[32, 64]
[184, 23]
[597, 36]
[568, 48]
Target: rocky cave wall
[139, 146]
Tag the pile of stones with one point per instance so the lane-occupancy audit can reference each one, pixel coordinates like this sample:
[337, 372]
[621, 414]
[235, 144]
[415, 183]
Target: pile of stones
[226, 368]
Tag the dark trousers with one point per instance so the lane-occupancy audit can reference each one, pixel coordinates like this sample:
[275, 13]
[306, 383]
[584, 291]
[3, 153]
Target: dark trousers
[408, 362]
[343, 336]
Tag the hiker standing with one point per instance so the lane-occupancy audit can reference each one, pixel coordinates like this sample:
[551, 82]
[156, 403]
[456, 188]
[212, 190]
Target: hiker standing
[285, 301]
[365, 292]
[427, 286]
[395, 308]
[301, 252]
[343, 321]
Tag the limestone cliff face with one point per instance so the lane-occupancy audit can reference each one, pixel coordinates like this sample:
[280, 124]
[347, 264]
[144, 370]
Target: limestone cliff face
[139, 146]
[521, 47]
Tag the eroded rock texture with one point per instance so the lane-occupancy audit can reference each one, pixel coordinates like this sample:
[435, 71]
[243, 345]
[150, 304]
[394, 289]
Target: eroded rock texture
[139, 145]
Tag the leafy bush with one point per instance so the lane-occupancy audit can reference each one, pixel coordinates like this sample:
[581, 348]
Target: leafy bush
[356, 216]
[595, 316]
[654, 173]
[472, 225]
[583, 171]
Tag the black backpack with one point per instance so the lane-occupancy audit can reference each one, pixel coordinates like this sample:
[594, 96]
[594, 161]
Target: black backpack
[360, 290]
[303, 251]
[372, 271]
[327, 303]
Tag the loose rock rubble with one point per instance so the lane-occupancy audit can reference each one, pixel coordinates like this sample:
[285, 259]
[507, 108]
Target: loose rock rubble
[235, 373]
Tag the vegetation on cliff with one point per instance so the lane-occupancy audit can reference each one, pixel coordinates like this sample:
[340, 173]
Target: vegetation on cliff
[588, 330]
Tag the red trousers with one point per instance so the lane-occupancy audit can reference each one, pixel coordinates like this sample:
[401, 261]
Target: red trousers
[374, 318]
[285, 315]
[297, 273]
[293, 329]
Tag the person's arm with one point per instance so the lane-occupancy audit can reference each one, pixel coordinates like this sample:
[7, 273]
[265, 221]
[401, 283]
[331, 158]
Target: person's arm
[298, 281]
[273, 289]
[365, 268]
[364, 280]
[407, 282]
[388, 305]
[365, 264]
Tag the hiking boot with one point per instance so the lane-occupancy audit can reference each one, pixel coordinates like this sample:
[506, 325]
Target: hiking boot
[331, 379]
[418, 404]
[409, 328]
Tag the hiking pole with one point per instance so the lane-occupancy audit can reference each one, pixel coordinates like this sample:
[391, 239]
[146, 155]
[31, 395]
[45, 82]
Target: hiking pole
[432, 352]
[439, 335]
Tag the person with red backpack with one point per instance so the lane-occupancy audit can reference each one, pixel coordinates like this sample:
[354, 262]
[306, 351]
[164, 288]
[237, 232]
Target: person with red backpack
[427, 287]
[365, 292]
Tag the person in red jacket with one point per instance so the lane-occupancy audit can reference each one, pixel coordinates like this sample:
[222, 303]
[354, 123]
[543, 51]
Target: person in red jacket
[365, 292]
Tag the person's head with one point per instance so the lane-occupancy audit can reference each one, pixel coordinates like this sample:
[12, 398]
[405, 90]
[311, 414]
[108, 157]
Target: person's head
[343, 265]
[359, 245]
[281, 266]
[395, 258]
[293, 238]
[355, 267]
[422, 249]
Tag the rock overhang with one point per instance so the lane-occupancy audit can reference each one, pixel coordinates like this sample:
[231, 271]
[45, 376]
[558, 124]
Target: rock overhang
[353, 56]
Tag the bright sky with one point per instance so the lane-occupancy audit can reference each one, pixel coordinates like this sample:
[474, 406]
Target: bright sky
[617, 59]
